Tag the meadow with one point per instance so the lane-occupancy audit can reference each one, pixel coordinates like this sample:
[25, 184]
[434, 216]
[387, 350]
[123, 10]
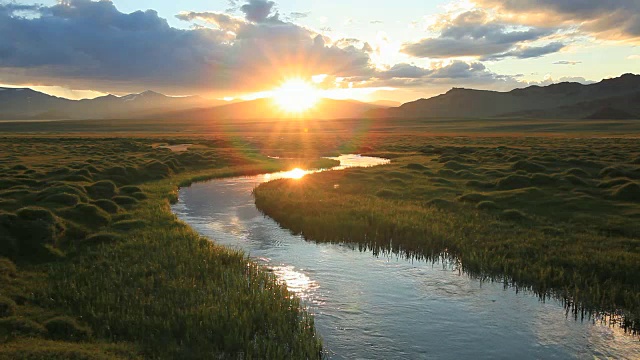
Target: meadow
[559, 216]
[93, 264]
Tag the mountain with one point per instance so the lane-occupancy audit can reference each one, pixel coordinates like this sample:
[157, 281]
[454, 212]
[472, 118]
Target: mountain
[563, 100]
[617, 98]
[620, 107]
[386, 103]
[266, 109]
[28, 104]
[611, 114]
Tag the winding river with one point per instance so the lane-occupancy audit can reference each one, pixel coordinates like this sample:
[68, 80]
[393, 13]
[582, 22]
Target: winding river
[369, 307]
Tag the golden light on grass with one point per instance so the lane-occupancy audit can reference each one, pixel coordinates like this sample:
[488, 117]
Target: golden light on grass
[296, 96]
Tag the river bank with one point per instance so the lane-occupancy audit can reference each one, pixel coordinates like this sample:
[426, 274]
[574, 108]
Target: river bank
[386, 306]
[96, 266]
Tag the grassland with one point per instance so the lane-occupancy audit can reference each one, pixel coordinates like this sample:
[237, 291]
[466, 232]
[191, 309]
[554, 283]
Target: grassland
[93, 265]
[556, 215]
[107, 272]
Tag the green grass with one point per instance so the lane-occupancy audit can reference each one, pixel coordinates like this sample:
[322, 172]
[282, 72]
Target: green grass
[148, 286]
[96, 266]
[535, 215]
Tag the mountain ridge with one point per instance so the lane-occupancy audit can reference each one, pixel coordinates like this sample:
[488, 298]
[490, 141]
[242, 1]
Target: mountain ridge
[533, 101]
[619, 97]
[29, 104]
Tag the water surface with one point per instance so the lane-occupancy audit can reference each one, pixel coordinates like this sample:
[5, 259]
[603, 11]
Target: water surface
[369, 307]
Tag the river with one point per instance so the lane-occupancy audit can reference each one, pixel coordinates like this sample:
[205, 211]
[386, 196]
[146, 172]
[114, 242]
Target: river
[369, 307]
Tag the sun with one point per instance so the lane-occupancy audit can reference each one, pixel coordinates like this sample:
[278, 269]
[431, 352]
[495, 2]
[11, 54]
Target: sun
[296, 96]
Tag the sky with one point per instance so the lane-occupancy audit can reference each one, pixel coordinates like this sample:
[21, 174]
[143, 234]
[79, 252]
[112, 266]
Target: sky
[362, 49]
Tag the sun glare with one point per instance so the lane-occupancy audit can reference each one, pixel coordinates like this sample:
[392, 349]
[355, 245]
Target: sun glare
[296, 96]
[296, 173]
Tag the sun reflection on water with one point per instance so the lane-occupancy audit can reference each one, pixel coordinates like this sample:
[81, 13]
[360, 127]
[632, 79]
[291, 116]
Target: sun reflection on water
[297, 282]
[296, 173]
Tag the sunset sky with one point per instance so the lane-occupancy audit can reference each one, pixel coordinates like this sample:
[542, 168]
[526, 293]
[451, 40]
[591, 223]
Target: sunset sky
[367, 50]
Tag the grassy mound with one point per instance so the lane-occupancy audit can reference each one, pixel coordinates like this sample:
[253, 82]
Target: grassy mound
[66, 328]
[414, 166]
[124, 200]
[7, 268]
[102, 238]
[472, 198]
[386, 193]
[29, 232]
[107, 205]
[63, 199]
[7, 307]
[627, 192]
[15, 326]
[513, 182]
[104, 189]
[88, 215]
[529, 166]
[487, 205]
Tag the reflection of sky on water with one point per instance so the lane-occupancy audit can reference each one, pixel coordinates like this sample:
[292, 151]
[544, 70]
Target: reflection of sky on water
[390, 308]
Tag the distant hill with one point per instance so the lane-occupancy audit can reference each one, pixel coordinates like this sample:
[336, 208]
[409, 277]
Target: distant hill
[28, 104]
[617, 98]
[266, 109]
[610, 113]
[563, 100]
[386, 103]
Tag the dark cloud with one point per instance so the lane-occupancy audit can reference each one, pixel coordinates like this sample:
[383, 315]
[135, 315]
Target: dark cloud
[473, 34]
[527, 52]
[258, 10]
[618, 19]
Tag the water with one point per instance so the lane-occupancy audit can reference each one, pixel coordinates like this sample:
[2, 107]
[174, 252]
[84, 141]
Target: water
[369, 307]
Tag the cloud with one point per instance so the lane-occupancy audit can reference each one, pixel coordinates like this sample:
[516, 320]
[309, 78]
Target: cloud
[447, 74]
[221, 20]
[474, 33]
[405, 71]
[299, 15]
[90, 44]
[80, 42]
[565, 62]
[548, 80]
[633, 57]
[619, 19]
[527, 52]
[258, 10]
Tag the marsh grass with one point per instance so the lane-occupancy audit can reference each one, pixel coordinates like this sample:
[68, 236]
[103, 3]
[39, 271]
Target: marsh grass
[105, 270]
[560, 217]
